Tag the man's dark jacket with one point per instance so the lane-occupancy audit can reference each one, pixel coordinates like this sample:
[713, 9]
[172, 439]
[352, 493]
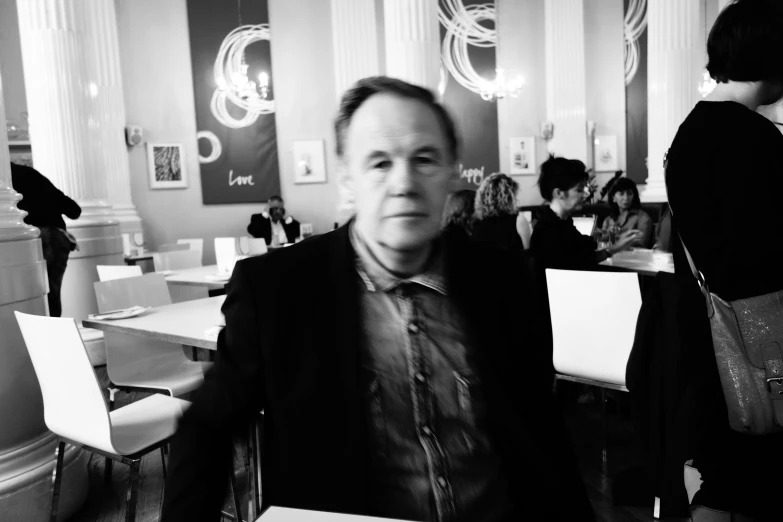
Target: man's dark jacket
[292, 347]
[261, 227]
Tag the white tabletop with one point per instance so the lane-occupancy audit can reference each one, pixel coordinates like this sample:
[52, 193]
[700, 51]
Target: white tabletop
[646, 262]
[190, 322]
[196, 277]
[279, 514]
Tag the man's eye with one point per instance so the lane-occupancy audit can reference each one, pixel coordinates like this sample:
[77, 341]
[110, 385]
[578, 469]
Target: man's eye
[424, 160]
[381, 165]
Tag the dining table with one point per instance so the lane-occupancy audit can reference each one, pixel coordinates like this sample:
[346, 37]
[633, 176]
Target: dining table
[202, 276]
[642, 261]
[192, 323]
[284, 514]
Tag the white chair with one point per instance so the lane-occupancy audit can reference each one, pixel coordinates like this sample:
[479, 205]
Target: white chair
[173, 247]
[593, 326]
[111, 272]
[80, 417]
[193, 244]
[228, 250]
[176, 260]
[250, 246]
[135, 362]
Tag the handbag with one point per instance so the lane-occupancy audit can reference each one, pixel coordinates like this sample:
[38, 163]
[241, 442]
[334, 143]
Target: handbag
[747, 335]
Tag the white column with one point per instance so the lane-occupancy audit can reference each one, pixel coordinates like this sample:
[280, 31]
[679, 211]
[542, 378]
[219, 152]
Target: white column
[675, 62]
[354, 42]
[65, 121]
[722, 4]
[102, 71]
[413, 41]
[565, 78]
[26, 446]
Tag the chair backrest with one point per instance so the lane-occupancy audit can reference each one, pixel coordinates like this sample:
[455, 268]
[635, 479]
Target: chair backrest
[147, 290]
[193, 244]
[227, 251]
[173, 247]
[110, 272]
[593, 322]
[73, 403]
[585, 224]
[176, 260]
[251, 246]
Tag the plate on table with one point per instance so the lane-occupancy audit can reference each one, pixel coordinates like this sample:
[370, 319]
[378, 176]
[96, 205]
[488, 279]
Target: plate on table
[120, 314]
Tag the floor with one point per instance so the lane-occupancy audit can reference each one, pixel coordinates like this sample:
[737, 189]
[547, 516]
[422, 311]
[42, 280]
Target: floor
[106, 503]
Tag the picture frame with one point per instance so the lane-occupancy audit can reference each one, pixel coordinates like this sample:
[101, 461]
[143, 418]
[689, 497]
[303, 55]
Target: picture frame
[309, 162]
[605, 154]
[522, 155]
[166, 165]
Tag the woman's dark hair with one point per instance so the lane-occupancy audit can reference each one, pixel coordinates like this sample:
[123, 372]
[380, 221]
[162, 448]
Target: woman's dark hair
[459, 210]
[745, 43]
[623, 185]
[365, 88]
[560, 173]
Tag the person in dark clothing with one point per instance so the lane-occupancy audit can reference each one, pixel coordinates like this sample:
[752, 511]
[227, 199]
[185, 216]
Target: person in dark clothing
[724, 162]
[273, 226]
[556, 243]
[410, 393]
[497, 218]
[459, 213]
[45, 205]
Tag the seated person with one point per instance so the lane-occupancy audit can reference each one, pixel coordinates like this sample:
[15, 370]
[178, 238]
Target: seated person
[556, 243]
[626, 214]
[497, 218]
[271, 226]
[458, 216]
[409, 393]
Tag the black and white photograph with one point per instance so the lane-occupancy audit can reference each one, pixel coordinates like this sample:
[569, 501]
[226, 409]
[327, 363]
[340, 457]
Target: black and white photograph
[166, 166]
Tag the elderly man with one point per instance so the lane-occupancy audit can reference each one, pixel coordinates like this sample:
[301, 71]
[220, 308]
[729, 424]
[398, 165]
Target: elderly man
[272, 225]
[403, 374]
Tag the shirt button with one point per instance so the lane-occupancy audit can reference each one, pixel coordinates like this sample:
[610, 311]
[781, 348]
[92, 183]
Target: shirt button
[427, 430]
[442, 482]
[413, 328]
[420, 377]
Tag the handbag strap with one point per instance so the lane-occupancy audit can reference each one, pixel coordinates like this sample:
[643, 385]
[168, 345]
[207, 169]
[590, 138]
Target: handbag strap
[705, 290]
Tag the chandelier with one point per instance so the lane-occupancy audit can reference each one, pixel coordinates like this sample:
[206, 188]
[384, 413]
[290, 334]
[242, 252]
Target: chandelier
[463, 28]
[233, 82]
[706, 85]
[500, 88]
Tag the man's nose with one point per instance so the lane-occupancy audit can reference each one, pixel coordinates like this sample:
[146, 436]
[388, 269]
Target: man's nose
[402, 178]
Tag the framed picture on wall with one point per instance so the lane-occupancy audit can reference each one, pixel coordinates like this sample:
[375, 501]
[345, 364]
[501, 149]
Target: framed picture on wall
[166, 166]
[309, 163]
[605, 154]
[522, 155]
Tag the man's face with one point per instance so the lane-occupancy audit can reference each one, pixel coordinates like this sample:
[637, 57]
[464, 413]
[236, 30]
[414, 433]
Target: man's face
[397, 158]
[276, 210]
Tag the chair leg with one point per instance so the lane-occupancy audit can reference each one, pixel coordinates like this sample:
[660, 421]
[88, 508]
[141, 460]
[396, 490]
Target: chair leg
[133, 487]
[163, 459]
[57, 479]
[109, 463]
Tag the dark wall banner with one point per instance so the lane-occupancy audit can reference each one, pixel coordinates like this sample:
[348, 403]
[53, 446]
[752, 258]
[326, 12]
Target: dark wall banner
[237, 147]
[636, 116]
[476, 119]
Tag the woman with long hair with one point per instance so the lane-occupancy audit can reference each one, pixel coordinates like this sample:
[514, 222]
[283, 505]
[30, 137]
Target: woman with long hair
[497, 218]
[458, 214]
[626, 213]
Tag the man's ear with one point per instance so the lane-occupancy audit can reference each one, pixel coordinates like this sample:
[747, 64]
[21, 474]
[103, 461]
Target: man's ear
[558, 194]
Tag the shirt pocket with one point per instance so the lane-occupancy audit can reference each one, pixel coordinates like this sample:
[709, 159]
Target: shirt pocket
[466, 385]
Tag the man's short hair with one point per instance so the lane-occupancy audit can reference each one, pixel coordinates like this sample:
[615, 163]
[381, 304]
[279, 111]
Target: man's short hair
[275, 198]
[367, 87]
[560, 173]
[746, 41]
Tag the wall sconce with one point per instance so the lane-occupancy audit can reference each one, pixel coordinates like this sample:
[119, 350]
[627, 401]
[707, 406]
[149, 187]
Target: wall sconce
[547, 130]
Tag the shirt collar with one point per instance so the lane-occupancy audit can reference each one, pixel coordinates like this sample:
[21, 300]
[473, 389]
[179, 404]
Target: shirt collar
[377, 279]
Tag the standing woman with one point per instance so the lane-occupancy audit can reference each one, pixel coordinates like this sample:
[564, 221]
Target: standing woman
[725, 174]
[497, 218]
[626, 213]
